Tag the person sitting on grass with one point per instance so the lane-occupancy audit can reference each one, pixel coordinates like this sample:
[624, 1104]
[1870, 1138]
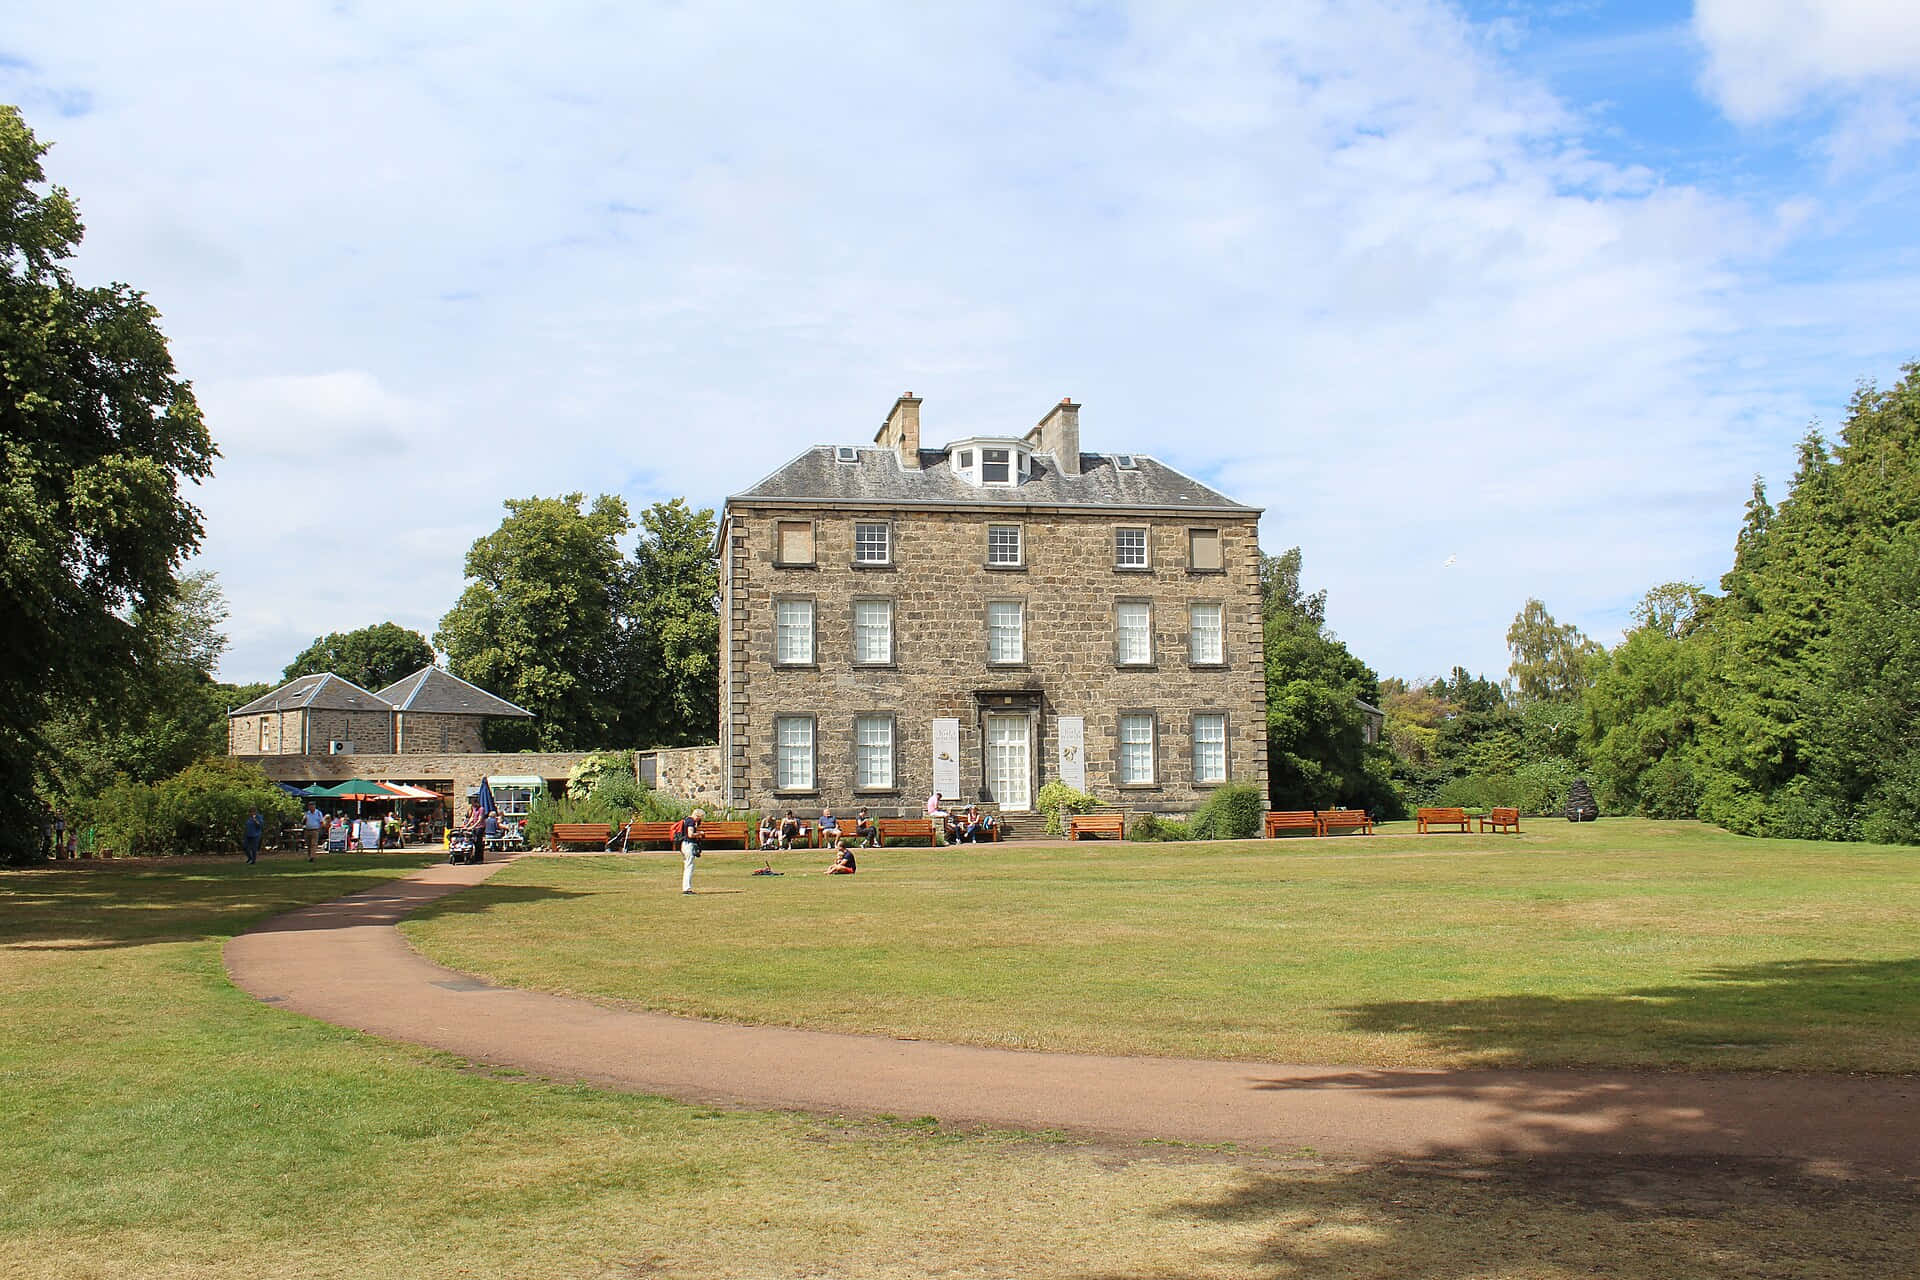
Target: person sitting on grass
[789, 830]
[863, 829]
[843, 863]
[769, 833]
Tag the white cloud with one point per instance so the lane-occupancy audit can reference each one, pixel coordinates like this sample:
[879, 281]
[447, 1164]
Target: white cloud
[1768, 59]
[1338, 256]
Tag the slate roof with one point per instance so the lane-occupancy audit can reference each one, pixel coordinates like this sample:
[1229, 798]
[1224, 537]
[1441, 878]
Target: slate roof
[879, 480]
[324, 692]
[432, 690]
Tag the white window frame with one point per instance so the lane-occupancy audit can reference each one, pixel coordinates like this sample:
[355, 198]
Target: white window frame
[1197, 652]
[863, 656]
[1006, 646]
[1121, 537]
[1129, 746]
[873, 753]
[863, 554]
[793, 739]
[1005, 461]
[793, 644]
[1132, 645]
[1019, 546]
[1205, 771]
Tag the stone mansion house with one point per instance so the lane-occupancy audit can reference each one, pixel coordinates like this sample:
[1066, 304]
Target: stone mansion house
[983, 618]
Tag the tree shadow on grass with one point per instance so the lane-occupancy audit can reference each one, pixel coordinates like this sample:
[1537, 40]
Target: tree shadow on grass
[1781, 1013]
[1662, 1217]
[99, 907]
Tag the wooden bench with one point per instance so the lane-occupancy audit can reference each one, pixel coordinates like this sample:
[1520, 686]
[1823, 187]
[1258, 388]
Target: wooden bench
[1279, 820]
[886, 829]
[593, 833]
[646, 833]
[740, 833]
[1501, 820]
[1426, 819]
[1347, 820]
[1102, 826]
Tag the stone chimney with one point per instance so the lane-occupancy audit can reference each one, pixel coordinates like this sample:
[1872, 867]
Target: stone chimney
[901, 431]
[1059, 435]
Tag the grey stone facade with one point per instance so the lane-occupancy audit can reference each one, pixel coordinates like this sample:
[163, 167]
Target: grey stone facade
[1019, 654]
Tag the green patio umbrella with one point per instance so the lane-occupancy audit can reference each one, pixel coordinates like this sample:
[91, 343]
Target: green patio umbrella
[355, 789]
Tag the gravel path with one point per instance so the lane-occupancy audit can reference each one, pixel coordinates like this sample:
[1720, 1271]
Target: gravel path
[346, 963]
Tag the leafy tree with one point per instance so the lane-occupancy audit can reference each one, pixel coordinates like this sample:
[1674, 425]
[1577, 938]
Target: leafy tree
[97, 434]
[672, 627]
[372, 657]
[1644, 715]
[1552, 662]
[538, 621]
[1317, 753]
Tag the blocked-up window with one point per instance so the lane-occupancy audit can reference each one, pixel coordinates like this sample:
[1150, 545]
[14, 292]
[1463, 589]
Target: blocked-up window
[793, 632]
[1003, 544]
[1133, 633]
[871, 544]
[1203, 550]
[873, 753]
[1136, 749]
[1130, 548]
[873, 632]
[263, 735]
[793, 753]
[794, 542]
[1209, 748]
[1006, 631]
[1204, 625]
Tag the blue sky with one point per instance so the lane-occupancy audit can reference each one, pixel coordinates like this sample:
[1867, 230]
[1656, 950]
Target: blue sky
[1538, 287]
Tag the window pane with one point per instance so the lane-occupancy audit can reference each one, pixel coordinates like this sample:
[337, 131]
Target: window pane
[870, 543]
[873, 752]
[1005, 641]
[1210, 748]
[795, 542]
[793, 752]
[873, 631]
[1135, 639]
[1130, 548]
[1204, 545]
[793, 631]
[1003, 544]
[966, 459]
[1136, 748]
[1203, 632]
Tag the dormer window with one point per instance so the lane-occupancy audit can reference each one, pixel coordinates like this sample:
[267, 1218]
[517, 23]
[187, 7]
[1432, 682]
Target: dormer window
[995, 464]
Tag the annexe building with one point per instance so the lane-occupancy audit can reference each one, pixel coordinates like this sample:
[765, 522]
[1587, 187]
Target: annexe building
[982, 618]
[429, 712]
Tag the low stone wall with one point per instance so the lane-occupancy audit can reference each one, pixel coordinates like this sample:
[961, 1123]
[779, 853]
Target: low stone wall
[692, 773]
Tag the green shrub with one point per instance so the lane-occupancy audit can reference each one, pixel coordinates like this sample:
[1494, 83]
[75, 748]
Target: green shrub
[1232, 812]
[1540, 786]
[201, 809]
[1057, 799]
[597, 770]
[614, 799]
[1480, 791]
[1152, 827]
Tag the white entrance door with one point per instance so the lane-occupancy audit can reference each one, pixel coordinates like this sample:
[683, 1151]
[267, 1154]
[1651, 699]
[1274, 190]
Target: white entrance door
[1008, 772]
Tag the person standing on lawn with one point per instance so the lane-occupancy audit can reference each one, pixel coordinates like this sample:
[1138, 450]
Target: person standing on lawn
[250, 837]
[689, 847]
[314, 822]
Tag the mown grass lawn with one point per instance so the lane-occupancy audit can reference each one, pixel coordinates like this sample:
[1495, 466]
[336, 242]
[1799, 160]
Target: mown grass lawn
[1621, 943]
[157, 1123]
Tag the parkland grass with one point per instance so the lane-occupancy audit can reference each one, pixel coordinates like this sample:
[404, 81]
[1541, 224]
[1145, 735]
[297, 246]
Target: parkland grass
[157, 1123]
[1616, 944]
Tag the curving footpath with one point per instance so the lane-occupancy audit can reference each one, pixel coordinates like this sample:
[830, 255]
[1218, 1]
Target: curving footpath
[345, 962]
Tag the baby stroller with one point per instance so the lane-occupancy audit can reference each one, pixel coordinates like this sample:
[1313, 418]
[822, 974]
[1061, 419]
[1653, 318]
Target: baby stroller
[464, 846]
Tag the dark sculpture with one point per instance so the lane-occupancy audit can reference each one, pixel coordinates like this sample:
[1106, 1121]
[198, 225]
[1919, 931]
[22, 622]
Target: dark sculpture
[1580, 805]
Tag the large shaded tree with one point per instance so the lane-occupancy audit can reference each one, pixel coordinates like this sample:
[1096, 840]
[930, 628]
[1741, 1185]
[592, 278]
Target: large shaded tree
[672, 630]
[98, 435]
[372, 657]
[538, 623]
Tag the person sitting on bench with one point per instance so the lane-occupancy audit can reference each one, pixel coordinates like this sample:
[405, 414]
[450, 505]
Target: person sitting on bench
[769, 833]
[829, 827]
[789, 830]
[863, 829]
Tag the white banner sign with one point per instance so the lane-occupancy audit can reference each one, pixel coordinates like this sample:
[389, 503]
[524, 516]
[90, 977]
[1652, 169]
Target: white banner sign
[946, 757]
[1073, 751]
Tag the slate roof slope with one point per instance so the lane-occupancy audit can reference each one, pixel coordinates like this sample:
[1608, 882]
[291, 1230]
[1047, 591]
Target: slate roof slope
[878, 479]
[324, 692]
[432, 690]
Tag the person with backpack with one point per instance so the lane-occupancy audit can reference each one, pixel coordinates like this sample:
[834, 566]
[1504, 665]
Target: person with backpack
[686, 833]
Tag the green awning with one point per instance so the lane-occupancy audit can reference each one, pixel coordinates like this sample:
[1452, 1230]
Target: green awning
[526, 780]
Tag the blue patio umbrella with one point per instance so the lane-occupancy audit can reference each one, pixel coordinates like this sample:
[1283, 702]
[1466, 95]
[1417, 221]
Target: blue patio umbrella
[485, 801]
